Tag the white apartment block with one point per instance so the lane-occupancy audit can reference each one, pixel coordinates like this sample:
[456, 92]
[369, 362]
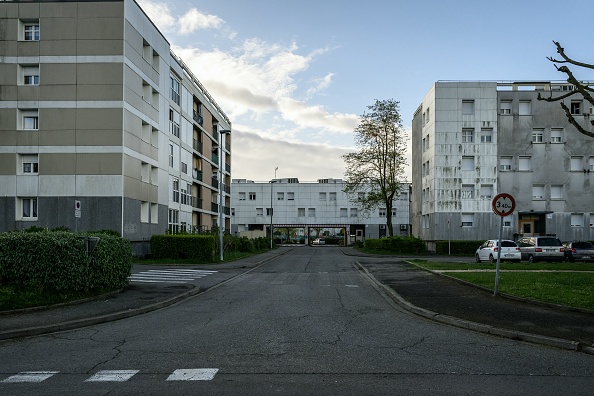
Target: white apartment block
[473, 140]
[96, 110]
[310, 207]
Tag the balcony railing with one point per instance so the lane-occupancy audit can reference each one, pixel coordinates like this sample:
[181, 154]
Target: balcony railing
[215, 159]
[214, 207]
[227, 167]
[227, 188]
[197, 174]
[198, 118]
[198, 146]
[214, 182]
[197, 202]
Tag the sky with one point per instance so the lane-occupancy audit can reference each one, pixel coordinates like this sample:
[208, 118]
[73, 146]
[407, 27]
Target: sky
[294, 77]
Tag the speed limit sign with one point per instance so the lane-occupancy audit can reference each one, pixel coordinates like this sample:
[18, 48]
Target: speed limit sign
[503, 204]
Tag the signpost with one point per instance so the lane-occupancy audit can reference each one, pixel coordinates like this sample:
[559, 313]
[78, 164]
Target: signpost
[503, 205]
[77, 212]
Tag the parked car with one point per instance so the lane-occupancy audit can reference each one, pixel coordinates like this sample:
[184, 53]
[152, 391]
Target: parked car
[319, 241]
[488, 251]
[579, 250]
[541, 248]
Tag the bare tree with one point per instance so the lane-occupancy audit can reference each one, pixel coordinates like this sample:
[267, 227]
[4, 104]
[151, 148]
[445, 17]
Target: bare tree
[580, 87]
[376, 169]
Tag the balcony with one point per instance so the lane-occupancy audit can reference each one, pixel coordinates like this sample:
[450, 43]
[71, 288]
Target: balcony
[196, 202]
[214, 182]
[227, 188]
[197, 118]
[215, 159]
[214, 207]
[197, 174]
[227, 168]
[197, 146]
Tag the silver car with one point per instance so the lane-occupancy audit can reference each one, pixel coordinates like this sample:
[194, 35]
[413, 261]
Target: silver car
[488, 251]
[541, 248]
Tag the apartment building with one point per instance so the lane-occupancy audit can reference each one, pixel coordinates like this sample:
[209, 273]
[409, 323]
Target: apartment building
[102, 126]
[311, 208]
[473, 140]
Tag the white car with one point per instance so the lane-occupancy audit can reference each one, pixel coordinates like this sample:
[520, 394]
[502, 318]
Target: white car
[319, 241]
[510, 251]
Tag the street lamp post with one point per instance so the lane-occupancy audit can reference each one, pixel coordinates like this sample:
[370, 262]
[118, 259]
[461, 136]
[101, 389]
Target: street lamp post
[221, 190]
[271, 210]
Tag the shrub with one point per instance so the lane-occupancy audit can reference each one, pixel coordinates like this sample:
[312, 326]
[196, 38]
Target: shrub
[183, 246]
[111, 261]
[457, 247]
[397, 244]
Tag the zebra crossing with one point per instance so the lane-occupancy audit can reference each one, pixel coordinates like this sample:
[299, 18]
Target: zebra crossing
[199, 374]
[169, 275]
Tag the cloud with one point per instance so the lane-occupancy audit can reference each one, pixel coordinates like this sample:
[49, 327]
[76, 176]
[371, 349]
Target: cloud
[321, 84]
[159, 13]
[194, 20]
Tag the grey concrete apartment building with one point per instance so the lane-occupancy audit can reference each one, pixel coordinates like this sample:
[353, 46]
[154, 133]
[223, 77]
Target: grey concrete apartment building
[99, 118]
[473, 140]
[311, 207]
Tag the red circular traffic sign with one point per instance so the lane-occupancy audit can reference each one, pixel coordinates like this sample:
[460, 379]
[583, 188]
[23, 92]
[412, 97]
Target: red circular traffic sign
[503, 204]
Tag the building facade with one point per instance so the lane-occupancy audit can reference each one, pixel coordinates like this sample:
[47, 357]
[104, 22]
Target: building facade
[102, 126]
[311, 207]
[473, 140]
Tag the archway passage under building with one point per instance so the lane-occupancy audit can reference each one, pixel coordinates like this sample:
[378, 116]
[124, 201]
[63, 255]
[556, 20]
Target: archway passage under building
[305, 234]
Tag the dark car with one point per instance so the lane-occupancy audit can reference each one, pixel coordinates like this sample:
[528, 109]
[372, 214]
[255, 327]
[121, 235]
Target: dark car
[579, 250]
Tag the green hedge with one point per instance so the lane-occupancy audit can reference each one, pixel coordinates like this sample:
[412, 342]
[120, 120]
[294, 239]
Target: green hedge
[183, 246]
[457, 247]
[397, 244]
[57, 262]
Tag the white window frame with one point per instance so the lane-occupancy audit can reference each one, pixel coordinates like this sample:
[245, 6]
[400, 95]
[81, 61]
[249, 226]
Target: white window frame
[537, 135]
[575, 164]
[525, 108]
[524, 164]
[467, 220]
[467, 163]
[252, 196]
[468, 106]
[505, 107]
[29, 164]
[29, 120]
[290, 196]
[322, 196]
[29, 208]
[467, 191]
[300, 212]
[145, 209]
[537, 191]
[505, 164]
[31, 30]
[575, 107]
[557, 191]
[259, 212]
[354, 212]
[154, 213]
[382, 212]
[486, 191]
[29, 75]
[344, 212]
[467, 135]
[556, 135]
[242, 196]
[332, 196]
[486, 135]
[280, 196]
[174, 89]
[577, 220]
[311, 212]
[174, 118]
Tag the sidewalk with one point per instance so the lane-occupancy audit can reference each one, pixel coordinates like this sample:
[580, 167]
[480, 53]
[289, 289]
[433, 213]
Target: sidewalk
[424, 293]
[136, 299]
[449, 301]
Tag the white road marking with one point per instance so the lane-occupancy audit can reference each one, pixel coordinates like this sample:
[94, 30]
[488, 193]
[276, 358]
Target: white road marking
[112, 376]
[31, 376]
[172, 275]
[193, 374]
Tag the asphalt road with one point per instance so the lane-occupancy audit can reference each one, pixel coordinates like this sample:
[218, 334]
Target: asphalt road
[305, 323]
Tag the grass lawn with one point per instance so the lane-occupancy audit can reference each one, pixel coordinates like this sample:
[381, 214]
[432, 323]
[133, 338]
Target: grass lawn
[574, 289]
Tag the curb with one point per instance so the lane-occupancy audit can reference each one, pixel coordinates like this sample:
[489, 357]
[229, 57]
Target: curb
[75, 324]
[479, 327]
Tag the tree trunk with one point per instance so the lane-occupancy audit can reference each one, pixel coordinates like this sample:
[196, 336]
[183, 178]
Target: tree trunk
[389, 220]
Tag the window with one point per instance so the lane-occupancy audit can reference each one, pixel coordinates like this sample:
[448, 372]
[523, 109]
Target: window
[556, 135]
[173, 221]
[467, 219]
[467, 163]
[468, 107]
[524, 164]
[175, 190]
[332, 196]
[467, 191]
[486, 135]
[232, 211]
[577, 220]
[30, 75]
[486, 190]
[575, 107]
[31, 31]
[322, 196]
[242, 196]
[252, 196]
[576, 164]
[30, 120]
[591, 164]
[382, 212]
[505, 107]
[269, 211]
[556, 192]
[30, 164]
[343, 212]
[29, 206]
[393, 212]
[154, 213]
[525, 107]
[260, 212]
[361, 196]
[144, 211]
[184, 168]
[301, 212]
[505, 164]
[467, 135]
[311, 212]
[537, 191]
[354, 212]
[428, 114]
[174, 122]
[537, 135]
[280, 196]
[290, 196]
[171, 155]
[174, 89]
